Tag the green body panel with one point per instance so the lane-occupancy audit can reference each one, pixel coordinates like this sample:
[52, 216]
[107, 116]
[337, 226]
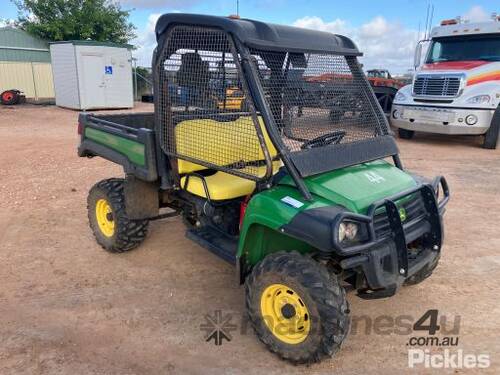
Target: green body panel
[355, 188]
[18, 45]
[134, 151]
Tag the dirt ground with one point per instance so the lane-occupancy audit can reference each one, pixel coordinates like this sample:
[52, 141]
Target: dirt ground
[68, 307]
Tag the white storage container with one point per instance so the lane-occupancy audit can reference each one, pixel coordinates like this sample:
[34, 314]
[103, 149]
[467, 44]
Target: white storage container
[92, 75]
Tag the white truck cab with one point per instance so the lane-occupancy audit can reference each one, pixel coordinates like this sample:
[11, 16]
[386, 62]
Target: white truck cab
[457, 88]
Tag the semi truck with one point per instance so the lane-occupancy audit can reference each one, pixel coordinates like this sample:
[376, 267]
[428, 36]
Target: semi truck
[457, 88]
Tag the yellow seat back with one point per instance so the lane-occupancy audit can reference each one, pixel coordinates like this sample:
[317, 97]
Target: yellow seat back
[219, 143]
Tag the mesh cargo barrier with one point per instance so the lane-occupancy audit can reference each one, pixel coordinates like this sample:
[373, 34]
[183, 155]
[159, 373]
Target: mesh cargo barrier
[318, 100]
[206, 119]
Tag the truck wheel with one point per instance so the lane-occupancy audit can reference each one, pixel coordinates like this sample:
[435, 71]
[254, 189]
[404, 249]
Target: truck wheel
[385, 97]
[296, 308]
[405, 134]
[491, 136]
[423, 274]
[109, 222]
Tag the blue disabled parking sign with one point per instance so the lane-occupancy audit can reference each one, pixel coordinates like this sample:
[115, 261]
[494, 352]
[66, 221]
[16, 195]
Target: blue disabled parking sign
[108, 69]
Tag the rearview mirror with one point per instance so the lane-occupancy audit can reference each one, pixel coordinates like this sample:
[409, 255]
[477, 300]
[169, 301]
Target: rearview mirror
[418, 55]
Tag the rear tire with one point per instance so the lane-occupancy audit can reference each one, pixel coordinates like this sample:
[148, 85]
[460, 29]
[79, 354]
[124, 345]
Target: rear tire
[406, 134]
[491, 136]
[311, 312]
[108, 219]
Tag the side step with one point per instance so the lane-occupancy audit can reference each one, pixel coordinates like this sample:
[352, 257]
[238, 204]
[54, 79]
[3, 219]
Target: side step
[218, 243]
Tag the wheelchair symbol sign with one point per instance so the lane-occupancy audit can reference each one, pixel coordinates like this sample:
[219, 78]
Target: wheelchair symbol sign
[108, 69]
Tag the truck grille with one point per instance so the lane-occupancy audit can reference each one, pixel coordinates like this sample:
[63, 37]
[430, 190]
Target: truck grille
[436, 85]
[413, 208]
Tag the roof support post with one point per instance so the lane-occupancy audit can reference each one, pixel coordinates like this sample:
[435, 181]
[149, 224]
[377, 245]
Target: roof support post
[258, 97]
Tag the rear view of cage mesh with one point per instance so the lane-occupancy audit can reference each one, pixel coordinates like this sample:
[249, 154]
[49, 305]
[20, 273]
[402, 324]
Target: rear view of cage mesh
[318, 100]
[203, 107]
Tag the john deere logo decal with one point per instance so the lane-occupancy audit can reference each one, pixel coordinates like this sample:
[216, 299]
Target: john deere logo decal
[402, 214]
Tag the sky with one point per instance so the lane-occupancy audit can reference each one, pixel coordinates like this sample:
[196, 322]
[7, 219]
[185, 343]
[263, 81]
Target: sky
[385, 31]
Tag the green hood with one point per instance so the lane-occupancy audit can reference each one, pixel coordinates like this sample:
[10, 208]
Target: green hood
[357, 187]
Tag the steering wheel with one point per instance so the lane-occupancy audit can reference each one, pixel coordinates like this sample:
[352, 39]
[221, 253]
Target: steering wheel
[325, 139]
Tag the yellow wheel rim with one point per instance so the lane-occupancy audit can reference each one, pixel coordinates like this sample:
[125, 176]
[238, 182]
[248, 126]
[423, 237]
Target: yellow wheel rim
[285, 314]
[104, 215]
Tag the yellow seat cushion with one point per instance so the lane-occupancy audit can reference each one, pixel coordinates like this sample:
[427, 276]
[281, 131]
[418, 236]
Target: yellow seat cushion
[223, 186]
[220, 143]
[220, 186]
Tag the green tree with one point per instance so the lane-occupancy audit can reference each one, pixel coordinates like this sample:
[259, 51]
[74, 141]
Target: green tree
[100, 20]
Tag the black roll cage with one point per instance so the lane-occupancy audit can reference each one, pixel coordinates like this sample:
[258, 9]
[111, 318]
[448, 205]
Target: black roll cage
[366, 151]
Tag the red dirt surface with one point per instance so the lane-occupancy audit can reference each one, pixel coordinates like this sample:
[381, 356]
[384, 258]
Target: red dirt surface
[68, 307]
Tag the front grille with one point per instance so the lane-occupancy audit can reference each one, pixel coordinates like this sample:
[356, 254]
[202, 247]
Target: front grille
[413, 207]
[437, 85]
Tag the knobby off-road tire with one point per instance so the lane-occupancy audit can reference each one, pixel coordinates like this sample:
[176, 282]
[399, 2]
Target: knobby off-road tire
[405, 134]
[116, 233]
[319, 294]
[423, 274]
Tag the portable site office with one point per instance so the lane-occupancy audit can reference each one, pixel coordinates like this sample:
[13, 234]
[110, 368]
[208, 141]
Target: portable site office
[92, 75]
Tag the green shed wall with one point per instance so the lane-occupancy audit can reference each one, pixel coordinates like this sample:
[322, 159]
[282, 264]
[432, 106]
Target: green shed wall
[17, 45]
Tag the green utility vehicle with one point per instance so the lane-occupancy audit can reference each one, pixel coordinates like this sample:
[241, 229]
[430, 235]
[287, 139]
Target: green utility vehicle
[304, 197]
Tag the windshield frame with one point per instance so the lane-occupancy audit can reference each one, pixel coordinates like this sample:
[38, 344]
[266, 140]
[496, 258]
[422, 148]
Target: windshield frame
[459, 38]
[315, 161]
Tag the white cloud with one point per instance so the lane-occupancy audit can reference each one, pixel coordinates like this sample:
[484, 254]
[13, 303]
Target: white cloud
[385, 44]
[477, 14]
[6, 22]
[146, 41]
[376, 28]
[336, 26]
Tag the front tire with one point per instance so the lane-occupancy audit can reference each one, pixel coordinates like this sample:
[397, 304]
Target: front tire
[297, 309]
[108, 219]
[491, 136]
[406, 134]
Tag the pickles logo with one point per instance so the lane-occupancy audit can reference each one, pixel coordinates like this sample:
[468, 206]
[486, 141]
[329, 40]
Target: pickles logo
[402, 214]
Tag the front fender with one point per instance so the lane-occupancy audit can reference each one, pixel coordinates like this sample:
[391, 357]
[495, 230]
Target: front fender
[263, 227]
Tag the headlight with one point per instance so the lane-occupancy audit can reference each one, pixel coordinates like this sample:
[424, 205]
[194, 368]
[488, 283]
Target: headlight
[400, 97]
[347, 231]
[471, 120]
[479, 99]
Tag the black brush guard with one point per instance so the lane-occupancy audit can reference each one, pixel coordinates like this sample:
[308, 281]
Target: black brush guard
[387, 261]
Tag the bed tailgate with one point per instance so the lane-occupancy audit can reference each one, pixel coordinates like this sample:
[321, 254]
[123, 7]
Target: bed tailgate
[133, 148]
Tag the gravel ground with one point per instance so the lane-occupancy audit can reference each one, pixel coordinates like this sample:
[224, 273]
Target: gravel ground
[68, 307]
